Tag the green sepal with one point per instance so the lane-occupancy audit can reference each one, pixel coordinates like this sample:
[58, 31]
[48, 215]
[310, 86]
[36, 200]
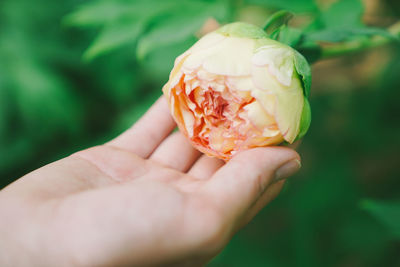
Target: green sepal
[290, 36]
[276, 21]
[305, 119]
[303, 69]
[243, 30]
[284, 143]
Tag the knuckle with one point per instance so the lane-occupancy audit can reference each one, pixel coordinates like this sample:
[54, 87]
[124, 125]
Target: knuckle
[260, 184]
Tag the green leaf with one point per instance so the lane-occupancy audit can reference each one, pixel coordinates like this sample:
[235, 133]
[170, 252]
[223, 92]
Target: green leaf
[104, 12]
[342, 22]
[159, 62]
[115, 35]
[305, 120]
[349, 33]
[189, 19]
[97, 13]
[304, 71]
[166, 33]
[122, 21]
[388, 213]
[343, 14]
[371, 31]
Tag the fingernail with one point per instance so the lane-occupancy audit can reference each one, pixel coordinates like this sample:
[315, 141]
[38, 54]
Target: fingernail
[287, 169]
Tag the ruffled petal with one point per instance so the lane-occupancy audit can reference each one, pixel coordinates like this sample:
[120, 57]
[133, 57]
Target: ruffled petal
[289, 100]
[279, 61]
[229, 56]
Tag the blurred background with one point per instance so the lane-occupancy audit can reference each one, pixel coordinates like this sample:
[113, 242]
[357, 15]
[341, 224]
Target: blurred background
[75, 73]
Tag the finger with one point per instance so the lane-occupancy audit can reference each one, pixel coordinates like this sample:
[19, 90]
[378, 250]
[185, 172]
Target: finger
[238, 185]
[88, 169]
[270, 194]
[176, 152]
[205, 167]
[143, 137]
[57, 179]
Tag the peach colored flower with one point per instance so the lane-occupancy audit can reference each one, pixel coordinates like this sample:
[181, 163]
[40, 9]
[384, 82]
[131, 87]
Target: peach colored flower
[236, 89]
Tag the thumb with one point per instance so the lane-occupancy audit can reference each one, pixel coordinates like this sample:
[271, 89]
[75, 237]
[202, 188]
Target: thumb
[238, 185]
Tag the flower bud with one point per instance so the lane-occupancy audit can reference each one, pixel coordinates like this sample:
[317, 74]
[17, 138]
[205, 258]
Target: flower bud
[237, 89]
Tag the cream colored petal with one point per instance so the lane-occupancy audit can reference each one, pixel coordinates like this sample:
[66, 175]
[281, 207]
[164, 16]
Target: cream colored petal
[199, 96]
[188, 120]
[289, 100]
[176, 72]
[266, 99]
[189, 77]
[195, 84]
[279, 61]
[166, 90]
[179, 59]
[196, 60]
[205, 75]
[257, 116]
[258, 141]
[201, 49]
[231, 56]
[268, 132]
[240, 86]
[220, 141]
[207, 41]
[217, 87]
[188, 88]
[240, 83]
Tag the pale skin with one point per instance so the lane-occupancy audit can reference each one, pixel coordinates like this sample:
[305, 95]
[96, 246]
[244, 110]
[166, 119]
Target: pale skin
[146, 198]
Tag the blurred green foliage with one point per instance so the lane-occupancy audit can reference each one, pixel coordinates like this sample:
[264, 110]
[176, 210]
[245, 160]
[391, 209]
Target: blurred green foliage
[76, 73]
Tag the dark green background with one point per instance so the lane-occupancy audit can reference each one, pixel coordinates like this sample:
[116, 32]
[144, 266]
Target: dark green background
[57, 96]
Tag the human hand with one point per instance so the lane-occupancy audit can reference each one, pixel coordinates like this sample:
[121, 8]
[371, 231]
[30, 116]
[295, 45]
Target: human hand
[145, 198]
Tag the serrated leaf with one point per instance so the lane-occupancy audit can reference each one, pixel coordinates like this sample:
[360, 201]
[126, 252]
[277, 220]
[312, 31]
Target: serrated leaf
[304, 71]
[388, 213]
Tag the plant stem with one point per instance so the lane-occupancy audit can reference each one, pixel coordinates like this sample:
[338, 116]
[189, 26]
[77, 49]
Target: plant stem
[358, 46]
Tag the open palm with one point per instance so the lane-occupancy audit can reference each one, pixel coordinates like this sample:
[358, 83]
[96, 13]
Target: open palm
[145, 198]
